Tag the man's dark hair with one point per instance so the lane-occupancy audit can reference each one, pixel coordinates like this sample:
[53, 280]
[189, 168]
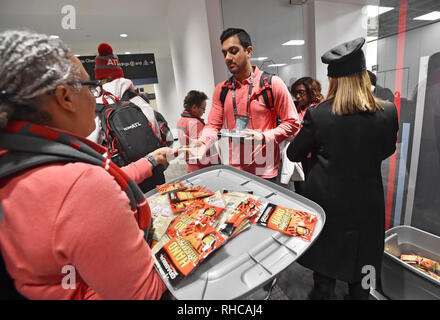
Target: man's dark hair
[194, 97]
[243, 36]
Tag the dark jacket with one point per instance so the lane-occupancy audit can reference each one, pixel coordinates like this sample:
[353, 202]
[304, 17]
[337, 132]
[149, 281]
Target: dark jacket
[345, 179]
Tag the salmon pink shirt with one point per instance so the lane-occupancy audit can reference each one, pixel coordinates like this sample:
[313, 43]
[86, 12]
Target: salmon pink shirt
[262, 160]
[75, 214]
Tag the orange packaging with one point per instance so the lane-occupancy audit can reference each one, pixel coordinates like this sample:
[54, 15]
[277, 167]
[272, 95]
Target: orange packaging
[198, 211]
[166, 188]
[183, 205]
[185, 251]
[428, 263]
[288, 221]
[409, 258]
[184, 195]
[245, 210]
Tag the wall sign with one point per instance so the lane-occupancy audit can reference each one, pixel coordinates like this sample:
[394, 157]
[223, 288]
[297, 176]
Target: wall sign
[140, 68]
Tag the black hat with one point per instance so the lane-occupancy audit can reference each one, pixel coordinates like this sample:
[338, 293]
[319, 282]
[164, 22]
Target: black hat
[345, 59]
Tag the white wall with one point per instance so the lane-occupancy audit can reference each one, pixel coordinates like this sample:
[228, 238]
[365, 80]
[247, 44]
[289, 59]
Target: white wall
[270, 24]
[215, 24]
[190, 50]
[418, 43]
[335, 23]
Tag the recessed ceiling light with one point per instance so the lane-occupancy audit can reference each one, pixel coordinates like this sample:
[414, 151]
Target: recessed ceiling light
[123, 35]
[276, 65]
[294, 43]
[374, 11]
[297, 58]
[434, 15]
[53, 36]
[259, 58]
[127, 52]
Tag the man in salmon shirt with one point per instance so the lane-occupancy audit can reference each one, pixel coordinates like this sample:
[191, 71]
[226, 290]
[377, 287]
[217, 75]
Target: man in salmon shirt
[257, 153]
[189, 127]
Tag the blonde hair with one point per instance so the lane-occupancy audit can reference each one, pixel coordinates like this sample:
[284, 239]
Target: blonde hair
[352, 94]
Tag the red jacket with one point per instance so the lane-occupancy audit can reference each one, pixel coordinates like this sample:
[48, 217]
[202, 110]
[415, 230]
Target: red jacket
[189, 128]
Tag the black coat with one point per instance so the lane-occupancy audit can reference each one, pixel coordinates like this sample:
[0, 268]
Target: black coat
[345, 180]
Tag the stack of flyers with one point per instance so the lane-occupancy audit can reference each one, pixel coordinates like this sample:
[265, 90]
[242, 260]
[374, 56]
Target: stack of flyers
[288, 221]
[180, 255]
[178, 196]
[166, 188]
[244, 213]
[198, 212]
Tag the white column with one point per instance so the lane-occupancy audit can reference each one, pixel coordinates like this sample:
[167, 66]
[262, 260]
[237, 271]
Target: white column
[215, 23]
[190, 50]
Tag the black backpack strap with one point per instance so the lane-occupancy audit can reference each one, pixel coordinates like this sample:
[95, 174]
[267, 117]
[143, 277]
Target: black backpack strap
[99, 107]
[128, 95]
[267, 93]
[225, 88]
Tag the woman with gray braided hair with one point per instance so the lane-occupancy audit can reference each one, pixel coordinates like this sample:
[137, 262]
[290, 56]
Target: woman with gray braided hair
[71, 221]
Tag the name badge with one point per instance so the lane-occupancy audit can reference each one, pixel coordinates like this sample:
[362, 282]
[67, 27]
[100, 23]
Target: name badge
[241, 122]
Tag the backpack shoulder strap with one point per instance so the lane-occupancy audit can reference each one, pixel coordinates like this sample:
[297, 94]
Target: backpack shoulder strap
[128, 95]
[266, 89]
[99, 108]
[225, 88]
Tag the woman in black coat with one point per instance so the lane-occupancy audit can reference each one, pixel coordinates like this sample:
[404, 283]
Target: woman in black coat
[349, 135]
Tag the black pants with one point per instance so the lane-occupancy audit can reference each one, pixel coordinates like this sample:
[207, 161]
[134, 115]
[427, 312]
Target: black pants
[324, 289]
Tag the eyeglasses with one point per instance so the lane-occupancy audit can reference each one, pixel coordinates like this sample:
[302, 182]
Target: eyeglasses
[95, 87]
[300, 92]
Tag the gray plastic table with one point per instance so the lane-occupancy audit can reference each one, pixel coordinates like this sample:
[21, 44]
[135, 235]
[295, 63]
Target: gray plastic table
[255, 256]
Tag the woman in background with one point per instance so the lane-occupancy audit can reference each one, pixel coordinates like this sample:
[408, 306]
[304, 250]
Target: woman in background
[307, 93]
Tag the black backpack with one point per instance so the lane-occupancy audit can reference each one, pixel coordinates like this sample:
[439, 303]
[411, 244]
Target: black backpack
[265, 91]
[129, 135]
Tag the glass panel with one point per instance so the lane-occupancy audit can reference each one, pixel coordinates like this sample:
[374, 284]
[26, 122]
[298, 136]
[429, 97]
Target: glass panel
[408, 67]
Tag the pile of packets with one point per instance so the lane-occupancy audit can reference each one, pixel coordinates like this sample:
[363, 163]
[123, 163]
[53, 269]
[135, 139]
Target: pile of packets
[428, 266]
[190, 222]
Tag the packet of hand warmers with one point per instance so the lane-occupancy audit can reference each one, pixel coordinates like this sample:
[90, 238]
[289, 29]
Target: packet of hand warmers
[198, 211]
[188, 195]
[245, 210]
[288, 221]
[187, 249]
[166, 188]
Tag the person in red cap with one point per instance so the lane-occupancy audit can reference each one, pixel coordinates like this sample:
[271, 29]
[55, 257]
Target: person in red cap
[108, 69]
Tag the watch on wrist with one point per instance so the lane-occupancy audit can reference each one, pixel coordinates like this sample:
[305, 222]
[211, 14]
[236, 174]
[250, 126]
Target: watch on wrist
[152, 160]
